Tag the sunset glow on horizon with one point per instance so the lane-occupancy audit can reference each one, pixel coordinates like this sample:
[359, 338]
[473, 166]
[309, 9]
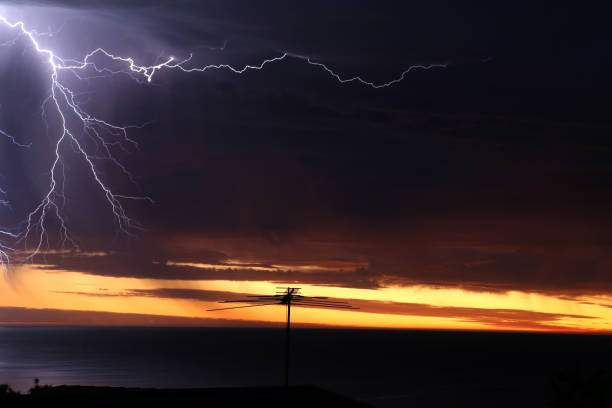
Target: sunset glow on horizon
[416, 307]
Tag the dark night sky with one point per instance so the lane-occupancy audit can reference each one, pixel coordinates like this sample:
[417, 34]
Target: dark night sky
[491, 174]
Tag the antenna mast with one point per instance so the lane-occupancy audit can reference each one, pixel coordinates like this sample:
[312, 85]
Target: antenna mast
[288, 296]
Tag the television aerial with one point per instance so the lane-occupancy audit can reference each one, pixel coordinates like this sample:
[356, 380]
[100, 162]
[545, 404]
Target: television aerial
[287, 297]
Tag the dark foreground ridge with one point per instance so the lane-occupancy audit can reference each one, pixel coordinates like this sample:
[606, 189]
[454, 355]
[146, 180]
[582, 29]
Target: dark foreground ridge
[73, 396]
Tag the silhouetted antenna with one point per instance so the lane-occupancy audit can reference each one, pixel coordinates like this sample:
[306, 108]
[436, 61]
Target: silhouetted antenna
[287, 297]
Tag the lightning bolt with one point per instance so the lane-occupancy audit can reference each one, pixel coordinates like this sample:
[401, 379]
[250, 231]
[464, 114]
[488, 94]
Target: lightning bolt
[79, 129]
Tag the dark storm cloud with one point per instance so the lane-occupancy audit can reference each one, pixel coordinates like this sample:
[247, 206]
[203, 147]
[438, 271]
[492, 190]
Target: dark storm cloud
[534, 255]
[25, 316]
[170, 293]
[130, 265]
[490, 176]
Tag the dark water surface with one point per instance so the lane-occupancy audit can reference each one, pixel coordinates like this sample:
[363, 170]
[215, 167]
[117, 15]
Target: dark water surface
[384, 367]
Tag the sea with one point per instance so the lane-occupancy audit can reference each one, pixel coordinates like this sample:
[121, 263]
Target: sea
[385, 368]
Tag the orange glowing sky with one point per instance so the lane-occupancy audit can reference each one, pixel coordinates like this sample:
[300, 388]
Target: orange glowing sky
[422, 307]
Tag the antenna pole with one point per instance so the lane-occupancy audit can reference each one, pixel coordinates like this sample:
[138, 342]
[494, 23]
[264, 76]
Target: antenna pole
[286, 297]
[287, 342]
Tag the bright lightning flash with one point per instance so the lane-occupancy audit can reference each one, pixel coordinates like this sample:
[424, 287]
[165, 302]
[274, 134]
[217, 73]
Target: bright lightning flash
[79, 129]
